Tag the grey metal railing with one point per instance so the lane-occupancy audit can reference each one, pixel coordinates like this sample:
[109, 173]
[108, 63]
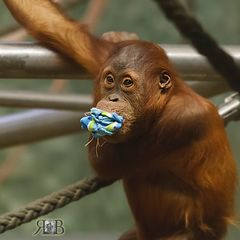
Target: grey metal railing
[30, 60]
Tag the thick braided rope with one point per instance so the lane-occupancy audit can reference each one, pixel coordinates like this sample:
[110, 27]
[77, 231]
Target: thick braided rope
[51, 202]
[202, 41]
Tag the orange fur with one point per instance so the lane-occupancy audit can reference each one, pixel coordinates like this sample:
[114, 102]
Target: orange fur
[172, 153]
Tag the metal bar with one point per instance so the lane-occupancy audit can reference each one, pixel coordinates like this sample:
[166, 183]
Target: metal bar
[36, 125]
[230, 109]
[30, 60]
[24, 99]
[27, 60]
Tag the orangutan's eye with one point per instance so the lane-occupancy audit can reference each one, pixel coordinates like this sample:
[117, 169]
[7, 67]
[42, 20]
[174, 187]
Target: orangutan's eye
[127, 82]
[109, 81]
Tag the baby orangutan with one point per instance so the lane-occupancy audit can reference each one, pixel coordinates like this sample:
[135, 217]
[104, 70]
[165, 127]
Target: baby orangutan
[171, 153]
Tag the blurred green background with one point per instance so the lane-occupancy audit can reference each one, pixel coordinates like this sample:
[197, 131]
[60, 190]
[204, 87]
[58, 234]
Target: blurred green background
[50, 165]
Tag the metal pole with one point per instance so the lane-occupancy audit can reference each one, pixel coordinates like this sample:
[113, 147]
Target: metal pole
[36, 125]
[30, 60]
[24, 99]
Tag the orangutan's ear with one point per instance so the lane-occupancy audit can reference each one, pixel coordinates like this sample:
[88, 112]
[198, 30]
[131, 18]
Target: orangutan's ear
[165, 81]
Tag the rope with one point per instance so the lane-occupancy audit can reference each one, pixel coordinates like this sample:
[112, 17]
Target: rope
[202, 41]
[51, 202]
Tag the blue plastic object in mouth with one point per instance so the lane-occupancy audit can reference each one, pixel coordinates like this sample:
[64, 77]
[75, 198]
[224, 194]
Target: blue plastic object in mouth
[101, 123]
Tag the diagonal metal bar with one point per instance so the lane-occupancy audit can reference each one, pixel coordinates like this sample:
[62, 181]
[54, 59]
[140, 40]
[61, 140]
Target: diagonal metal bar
[30, 60]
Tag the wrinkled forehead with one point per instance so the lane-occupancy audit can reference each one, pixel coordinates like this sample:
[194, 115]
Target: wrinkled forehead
[135, 57]
[127, 57]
